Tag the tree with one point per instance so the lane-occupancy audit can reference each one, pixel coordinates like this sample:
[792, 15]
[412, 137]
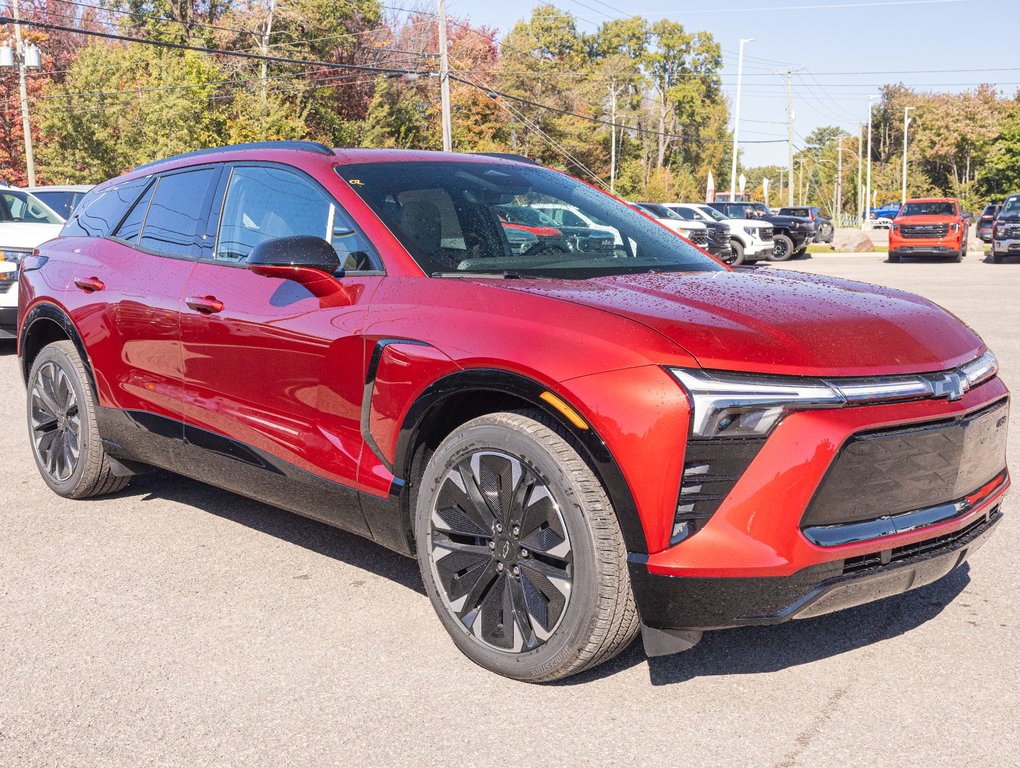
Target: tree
[1000, 174]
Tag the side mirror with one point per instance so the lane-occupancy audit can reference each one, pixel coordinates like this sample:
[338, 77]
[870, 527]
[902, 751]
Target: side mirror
[305, 259]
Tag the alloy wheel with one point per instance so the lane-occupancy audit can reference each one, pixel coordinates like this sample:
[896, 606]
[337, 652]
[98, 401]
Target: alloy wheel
[55, 421]
[500, 552]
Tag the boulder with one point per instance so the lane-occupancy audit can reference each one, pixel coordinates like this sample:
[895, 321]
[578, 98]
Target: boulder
[852, 241]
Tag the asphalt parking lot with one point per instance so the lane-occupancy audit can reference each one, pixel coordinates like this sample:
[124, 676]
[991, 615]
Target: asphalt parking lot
[175, 624]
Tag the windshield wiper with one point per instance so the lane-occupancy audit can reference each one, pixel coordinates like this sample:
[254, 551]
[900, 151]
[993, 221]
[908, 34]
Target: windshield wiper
[503, 274]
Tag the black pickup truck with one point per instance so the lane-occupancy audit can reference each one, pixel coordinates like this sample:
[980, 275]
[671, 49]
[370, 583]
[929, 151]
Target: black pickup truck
[792, 234]
[1006, 230]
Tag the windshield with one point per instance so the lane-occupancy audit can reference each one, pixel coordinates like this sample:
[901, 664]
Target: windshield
[939, 208]
[1012, 205]
[659, 211]
[802, 212]
[448, 217]
[62, 201]
[22, 207]
[522, 214]
[710, 212]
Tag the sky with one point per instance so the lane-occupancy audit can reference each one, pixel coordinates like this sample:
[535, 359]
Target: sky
[839, 43]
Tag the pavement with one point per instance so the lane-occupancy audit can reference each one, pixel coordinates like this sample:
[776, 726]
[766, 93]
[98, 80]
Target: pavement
[178, 625]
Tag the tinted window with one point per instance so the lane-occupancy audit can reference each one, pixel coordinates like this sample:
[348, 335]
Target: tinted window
[447, 216]
[928, 209]
[264, 203]
[131, 227]
[101, 210]
[23, 207]
[176, 211]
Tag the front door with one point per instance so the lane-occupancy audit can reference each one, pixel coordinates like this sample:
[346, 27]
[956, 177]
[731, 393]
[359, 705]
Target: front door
[273, 379]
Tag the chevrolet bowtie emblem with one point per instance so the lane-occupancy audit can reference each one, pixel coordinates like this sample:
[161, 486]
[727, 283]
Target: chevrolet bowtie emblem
[948, 385]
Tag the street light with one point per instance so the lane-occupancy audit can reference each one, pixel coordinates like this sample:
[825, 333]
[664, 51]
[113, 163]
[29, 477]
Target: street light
[736, 116]
[906, 125]
[867, 201]
[24, 55]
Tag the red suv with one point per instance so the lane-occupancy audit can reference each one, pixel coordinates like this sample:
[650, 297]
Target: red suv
[929, 227]
[575, 445]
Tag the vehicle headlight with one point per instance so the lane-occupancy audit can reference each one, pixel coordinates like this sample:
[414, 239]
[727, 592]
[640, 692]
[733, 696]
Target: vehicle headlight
[12, 255]
[895, 227]
[725, 404]
[954, 227]
[752, 231]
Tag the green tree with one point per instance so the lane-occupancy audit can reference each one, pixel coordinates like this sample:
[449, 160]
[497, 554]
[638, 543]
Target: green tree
[396, 119]
[1000, 174]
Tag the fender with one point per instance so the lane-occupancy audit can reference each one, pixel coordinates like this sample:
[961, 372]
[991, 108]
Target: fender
[45, 311]
[508, 383]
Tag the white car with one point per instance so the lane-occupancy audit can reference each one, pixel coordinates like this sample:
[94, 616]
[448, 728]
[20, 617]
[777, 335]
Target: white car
[61, 198]
[751, 238]
[571, 216]
[694, 231]
[25, 223]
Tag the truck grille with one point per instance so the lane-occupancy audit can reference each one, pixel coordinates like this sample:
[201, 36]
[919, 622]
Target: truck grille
[766, 233]
[698, 237]
[924, 230]
[889, 472]
[1010, 233]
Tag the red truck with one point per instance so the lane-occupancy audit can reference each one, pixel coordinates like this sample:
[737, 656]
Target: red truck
[929, 227]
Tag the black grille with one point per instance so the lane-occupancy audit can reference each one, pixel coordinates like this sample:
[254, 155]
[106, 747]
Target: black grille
[711, 469]
[698, 237]
[924, 230]
[1009, 232]
[718, 236]
[889, 472]
[920, 548]
[766, 233]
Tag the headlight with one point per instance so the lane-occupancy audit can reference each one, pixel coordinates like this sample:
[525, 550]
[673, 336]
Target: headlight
[895, 227]
[742, 405]
[752, 231]
[954, 227]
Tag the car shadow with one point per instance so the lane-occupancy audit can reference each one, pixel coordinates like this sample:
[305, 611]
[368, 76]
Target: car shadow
[8, 348]
[760, 650]
[310, 534]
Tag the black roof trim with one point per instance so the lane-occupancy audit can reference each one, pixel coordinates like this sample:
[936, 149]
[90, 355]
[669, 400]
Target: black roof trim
[509, 156]
[305, 146]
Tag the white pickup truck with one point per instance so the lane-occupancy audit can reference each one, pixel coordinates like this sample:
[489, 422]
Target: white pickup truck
[751, 238]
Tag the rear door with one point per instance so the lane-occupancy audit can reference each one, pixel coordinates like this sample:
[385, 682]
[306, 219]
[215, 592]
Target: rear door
[274, 380]
[126, 284]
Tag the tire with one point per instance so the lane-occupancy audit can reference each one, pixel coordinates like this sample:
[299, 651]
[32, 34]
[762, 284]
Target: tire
[62, 426]
[894, 258]
[782, 249]
[996, 258]
[477, 564]
[738, 253]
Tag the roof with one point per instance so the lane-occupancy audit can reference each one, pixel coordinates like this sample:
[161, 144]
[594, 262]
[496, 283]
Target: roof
[60, 188]
[931, 200]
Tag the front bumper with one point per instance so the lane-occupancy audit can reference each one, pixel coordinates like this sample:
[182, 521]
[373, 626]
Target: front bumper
[753, 561]
[935, 249]
[668, 602]
[1006, 246]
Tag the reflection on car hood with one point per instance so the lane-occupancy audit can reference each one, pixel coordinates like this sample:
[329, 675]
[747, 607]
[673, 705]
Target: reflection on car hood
[20, 234]
[780, 322]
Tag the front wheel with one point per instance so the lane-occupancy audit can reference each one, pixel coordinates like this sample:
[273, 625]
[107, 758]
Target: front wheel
[62, 426]
[782, 248]
[520, 550]
[737, 258]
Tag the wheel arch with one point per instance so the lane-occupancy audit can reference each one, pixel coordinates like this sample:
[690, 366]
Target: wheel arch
[44, 324]
[463, 395]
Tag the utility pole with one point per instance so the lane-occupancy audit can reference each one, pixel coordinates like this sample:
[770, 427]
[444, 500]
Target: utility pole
[867, 202]
[444, 78]
[838, 206]
[789, 72]
[906, 125]
[26, 124]
[736, 117]
[612, 148]
[267, 30]
[860, 179]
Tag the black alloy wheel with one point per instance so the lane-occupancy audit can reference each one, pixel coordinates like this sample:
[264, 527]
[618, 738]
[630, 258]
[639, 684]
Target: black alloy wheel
[782, 248]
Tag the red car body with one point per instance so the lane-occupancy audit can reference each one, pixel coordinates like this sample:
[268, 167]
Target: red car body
[941, 232]
[321, 407]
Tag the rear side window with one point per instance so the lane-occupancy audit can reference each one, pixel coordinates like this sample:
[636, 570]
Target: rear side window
[100, 211]
[176, 212]
[265, 203]
[131, 227]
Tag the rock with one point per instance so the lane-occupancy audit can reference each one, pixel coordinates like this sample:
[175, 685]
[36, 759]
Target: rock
[852, 241]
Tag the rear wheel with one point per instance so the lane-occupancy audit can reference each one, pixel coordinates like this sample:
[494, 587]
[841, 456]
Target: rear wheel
[62, 426]
[738, 253]
[782, 249]
[520, 550]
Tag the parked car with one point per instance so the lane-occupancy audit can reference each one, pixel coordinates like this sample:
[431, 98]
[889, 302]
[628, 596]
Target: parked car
[63, 198]
[695, 231]
[564, 215]
[824, 230]
[750, 239]
[986, 220]
[717, 232]
[528, 230]
[791, 234]
[25, 222]
[1006, 230]
[577, 238]
[575, 447]
[929, 227]
[883, 215]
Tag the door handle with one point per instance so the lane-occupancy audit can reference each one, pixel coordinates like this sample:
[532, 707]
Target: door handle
[89, 284]
[207, 305]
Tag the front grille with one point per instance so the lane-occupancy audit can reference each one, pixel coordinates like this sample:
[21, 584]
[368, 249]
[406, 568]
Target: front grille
[889, 472]
[927, 547]
[5, 287]
[711, 469]
[924, 230]
[766, 233]
[698, 237]
[1010, 233]
[718, 236]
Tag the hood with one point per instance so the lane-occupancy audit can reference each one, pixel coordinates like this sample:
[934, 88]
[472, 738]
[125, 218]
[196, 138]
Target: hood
[786, 221]
[19, 234]
[1011, 216]
[767, 321]
[927, 219]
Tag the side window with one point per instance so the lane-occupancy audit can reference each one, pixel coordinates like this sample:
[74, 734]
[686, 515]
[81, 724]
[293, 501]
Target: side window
[265, 203]
[101, 210]
[571, 219]
[131, 227]
[176, 211]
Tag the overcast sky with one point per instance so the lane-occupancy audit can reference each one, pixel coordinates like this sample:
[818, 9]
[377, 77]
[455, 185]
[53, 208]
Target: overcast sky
[894, 38]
